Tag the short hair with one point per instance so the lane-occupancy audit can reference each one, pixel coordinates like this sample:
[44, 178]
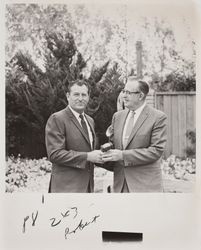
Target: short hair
[143, 86]
[79, 82]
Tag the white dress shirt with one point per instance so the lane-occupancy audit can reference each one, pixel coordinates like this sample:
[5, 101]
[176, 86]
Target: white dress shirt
[77, 115]
[137, 114]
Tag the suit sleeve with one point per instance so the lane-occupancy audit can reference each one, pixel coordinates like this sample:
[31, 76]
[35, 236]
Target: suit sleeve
[110, 164]
[55, 145]
[141, 156]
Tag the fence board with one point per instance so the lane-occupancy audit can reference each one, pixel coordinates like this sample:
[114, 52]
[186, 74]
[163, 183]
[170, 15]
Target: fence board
[168, 111]
[182, 124]
[180, 110]
[175, 128]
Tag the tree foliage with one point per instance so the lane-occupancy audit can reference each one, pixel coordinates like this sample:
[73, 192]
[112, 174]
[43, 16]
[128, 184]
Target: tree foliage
[109, 88]
[49, 45]
[32, 95]
[103, 37]
[171, 71]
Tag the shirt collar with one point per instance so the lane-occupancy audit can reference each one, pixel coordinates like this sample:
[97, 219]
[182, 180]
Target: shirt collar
[139, 110]
[76, 114]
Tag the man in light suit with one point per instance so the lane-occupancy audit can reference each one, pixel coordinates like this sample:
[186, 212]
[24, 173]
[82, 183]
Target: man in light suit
[139, 138]
[70, 143]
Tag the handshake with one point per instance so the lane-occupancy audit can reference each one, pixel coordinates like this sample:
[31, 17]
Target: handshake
[105, 154]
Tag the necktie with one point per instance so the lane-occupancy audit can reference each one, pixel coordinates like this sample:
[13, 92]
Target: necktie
[84, 125]
[128, 128]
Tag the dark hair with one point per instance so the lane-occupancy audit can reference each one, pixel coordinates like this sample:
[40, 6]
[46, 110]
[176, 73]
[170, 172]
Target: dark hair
[143, 86]
[79, 83]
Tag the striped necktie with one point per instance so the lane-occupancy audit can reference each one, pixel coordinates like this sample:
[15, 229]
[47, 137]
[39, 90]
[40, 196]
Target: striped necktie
[128, 128]
[84, 125]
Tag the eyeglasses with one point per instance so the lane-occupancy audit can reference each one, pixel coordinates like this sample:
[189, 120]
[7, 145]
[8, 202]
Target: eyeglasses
[129, 92]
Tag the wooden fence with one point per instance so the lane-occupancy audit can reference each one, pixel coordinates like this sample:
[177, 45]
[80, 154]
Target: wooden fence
[180, 108]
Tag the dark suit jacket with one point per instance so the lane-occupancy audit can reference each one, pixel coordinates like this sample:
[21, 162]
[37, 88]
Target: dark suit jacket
[141, 165]
[67, 146]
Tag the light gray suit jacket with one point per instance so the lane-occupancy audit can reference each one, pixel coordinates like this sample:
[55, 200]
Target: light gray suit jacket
[67, 146]
[142, 156]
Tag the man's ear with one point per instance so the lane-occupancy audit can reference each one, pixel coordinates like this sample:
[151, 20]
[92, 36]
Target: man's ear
[142, 95]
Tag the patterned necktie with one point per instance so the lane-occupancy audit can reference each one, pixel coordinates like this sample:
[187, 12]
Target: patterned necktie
[84, 125]
[128, 128]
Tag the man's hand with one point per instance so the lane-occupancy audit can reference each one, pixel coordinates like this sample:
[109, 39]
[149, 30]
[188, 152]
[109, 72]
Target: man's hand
[112, 155]
[95, 156]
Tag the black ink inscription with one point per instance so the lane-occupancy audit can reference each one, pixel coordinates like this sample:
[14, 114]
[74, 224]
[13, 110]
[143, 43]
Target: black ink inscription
[24, 224]
[67, 213]
[54, 223]
[34, 218]
[73, 211]
[80, 226]
[43, 199]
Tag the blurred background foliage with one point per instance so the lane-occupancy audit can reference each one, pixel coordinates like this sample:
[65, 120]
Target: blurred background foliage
[47, 46]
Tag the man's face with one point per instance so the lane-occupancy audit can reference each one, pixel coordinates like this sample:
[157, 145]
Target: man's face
[131, 95]
[78, 97]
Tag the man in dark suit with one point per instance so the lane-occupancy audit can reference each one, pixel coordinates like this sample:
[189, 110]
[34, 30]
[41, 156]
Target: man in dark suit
[139, 138]
[70, 143]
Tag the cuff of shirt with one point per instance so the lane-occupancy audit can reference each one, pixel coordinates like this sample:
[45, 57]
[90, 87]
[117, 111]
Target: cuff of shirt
[126, 163]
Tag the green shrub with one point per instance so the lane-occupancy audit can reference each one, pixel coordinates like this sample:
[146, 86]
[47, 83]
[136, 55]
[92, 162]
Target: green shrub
[32, 95]
[191, 149]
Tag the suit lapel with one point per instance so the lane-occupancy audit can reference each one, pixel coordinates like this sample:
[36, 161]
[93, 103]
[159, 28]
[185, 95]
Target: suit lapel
[121, 124]
[92, 130]
[77, 124]
[143, 116]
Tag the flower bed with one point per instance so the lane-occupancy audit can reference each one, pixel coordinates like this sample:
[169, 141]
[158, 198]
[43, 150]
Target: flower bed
[26, 175]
